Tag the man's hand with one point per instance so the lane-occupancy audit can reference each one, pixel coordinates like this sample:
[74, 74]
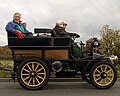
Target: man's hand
[19, 34]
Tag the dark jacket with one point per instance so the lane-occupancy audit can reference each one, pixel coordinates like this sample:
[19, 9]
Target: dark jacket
[59, 32]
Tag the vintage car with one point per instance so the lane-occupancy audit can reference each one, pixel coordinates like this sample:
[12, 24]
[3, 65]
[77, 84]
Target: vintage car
[38, 56]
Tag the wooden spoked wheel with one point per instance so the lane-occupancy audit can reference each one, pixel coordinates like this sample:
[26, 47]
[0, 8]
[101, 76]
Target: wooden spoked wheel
[103, 75]
[33, 74]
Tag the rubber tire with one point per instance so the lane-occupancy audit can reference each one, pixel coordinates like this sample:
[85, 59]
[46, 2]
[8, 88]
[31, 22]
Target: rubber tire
[103, 87]
[19, 74]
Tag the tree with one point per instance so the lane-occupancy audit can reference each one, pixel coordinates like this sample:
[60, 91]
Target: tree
[110, 42]
[5, 52]
[109, 38]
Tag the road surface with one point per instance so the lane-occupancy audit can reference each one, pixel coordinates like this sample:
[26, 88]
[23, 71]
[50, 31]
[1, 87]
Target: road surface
[59, 89]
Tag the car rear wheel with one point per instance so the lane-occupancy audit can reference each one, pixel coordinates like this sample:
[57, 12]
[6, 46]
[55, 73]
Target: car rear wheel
[33, 74]
[103, 75]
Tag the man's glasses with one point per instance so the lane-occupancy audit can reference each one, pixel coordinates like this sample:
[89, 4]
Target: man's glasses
[17, 16]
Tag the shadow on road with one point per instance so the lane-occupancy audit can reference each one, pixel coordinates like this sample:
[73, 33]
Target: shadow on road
[68, 85]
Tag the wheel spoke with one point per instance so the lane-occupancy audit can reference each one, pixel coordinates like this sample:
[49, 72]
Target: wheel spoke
[97, 74]
[98, 78]
[109, 75]
[29, 67]
[40, 77]
[98, 70]
[27, 78]
[108, 78]
[105, 68]
[101, 68]
[26, 70]
[108, 71]
[101, 81]
[40, 69]
[33, 81]
[40, 73]
[104, 80]
[25, 74]
[37, 80]
[33, 66]
[36, 67]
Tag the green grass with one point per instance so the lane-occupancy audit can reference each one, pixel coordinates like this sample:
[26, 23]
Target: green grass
[5, 74]
[6, 62]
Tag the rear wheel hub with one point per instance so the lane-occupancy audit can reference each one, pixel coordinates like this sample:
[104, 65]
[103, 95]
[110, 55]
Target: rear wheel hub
[33, 74]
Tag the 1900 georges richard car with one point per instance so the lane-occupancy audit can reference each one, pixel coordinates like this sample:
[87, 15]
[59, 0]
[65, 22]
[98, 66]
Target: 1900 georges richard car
[37, 57]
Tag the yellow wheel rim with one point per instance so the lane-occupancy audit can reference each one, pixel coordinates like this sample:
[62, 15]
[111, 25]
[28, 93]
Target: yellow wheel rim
[103, 75]
[33, 74]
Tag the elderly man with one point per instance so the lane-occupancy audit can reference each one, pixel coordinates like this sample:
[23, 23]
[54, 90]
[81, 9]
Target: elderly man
[60, 29]
[16, 27]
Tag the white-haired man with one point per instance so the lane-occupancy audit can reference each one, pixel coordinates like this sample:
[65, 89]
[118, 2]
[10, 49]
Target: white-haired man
[60, 29]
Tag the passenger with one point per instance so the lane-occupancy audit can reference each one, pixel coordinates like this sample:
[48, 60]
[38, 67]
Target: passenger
[60, 29]
[24, 24]
[16, 28]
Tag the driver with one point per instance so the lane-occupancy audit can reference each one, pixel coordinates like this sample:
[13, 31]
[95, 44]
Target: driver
[16, 28]
[60, 29]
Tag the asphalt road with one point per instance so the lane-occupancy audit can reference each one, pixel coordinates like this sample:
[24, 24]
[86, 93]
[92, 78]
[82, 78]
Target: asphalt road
[59, 89]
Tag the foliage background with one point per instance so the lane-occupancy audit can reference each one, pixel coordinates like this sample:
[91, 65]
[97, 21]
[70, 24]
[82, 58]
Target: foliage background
[110, 42]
